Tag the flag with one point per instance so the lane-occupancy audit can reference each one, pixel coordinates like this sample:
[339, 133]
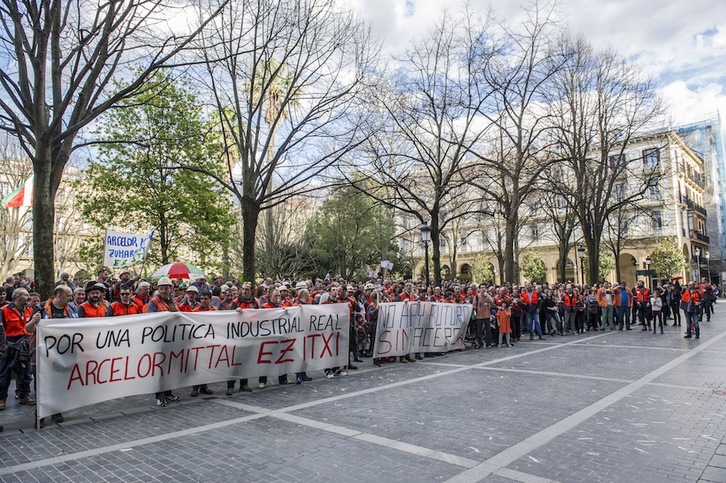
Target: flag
[21, 196]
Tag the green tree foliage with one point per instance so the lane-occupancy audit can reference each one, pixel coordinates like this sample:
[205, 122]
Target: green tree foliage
[606, 265]
[134, 185]
[350, 234]
[533, 268]
[481, 269]
[668, 259]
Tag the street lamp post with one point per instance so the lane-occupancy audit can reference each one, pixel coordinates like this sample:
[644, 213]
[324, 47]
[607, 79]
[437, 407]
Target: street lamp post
[647, 268]
[581, 255]
[708, 266]
[426, 238]
[697, 252]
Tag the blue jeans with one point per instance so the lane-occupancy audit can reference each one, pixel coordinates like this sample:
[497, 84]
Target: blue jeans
[533, 323]
[622, 316]
[692, 318]
[558, 321]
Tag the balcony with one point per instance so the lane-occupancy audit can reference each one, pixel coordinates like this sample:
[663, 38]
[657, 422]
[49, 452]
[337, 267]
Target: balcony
[695, 177]
[697, 235]
[692, 205]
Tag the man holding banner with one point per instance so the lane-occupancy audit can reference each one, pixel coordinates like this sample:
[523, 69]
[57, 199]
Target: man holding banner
[15, 348]
[162, 302]
[86, 362]
[55, 308]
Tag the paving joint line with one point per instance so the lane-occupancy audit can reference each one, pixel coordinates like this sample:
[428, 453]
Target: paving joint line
[558, 374]
[513, 453]
[221, 424]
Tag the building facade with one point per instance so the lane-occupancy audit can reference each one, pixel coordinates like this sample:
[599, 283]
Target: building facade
[684, 201]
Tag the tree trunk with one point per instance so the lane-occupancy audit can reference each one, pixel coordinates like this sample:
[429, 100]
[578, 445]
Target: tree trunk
[593, 257]
[562, 272]
[43, 222]
[251, 216]
[510, 233]
[617, 269]
[436, 247]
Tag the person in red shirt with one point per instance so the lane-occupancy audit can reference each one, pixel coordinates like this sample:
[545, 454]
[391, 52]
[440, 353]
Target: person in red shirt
[124, 306]
[142, 296]
[642, 301]
[189, 302]
[690, 303]
[273, 303]
[205, 302]
[227, 302]
[285, 299]
[163, 302]
[15, 347]
[204, 305]
[94, 306]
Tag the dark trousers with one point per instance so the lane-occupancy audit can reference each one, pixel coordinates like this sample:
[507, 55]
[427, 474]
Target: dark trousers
[708, 310]
[592, 321]
[676, 315]
[479, 326]
[517, 324]
[644, 316]
[12, 364]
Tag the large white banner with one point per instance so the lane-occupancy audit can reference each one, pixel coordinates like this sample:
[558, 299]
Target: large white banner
[408, 327]
[125, 249]
[86, 361]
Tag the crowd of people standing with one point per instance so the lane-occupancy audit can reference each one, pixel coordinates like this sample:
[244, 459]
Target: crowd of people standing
[502, 315]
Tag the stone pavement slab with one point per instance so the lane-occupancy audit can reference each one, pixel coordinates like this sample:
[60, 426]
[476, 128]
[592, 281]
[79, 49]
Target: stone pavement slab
[610, 407]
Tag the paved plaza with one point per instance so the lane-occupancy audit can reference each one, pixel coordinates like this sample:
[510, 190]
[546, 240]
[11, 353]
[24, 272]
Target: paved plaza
[599, 407]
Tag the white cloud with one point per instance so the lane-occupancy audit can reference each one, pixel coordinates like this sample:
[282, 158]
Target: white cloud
[690, 104]
[681, 44]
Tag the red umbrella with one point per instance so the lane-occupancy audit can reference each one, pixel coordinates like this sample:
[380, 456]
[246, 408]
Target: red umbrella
[178, 270]
[676, 278]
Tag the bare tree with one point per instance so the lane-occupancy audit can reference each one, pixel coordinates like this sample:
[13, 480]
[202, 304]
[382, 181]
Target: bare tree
[563, 220]
[618, 233]
[59, 59]
[287, 80]
[519, 148]
[429, 122]
[601, 104]
[493, 236]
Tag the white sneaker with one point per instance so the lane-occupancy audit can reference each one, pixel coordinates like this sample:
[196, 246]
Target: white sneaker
[261, 385]
[343, 373]
[329, 375]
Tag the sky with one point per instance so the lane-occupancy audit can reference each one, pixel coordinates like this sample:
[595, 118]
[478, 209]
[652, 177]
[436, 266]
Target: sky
[681, 44]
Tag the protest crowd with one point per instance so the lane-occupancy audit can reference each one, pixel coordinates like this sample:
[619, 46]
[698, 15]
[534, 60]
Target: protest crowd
[501, 316]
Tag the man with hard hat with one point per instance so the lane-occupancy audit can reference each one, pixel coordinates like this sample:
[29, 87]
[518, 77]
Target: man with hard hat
[189, 303]
[162, 302]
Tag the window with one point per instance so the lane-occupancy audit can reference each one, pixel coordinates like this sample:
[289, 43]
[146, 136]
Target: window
[620, 191]
[651, 157]
[657, 221]
[617, 163]
[624, 229]
[654, 190]
[560, 202]
[535, 232]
